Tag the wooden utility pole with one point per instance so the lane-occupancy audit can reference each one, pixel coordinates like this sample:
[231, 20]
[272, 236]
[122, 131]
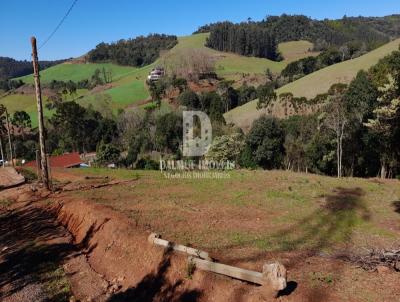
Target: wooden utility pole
[9, 137]
[2, 153]
[42, 141]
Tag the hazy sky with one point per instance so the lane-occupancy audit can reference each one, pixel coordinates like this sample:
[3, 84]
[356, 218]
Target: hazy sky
[94, 21]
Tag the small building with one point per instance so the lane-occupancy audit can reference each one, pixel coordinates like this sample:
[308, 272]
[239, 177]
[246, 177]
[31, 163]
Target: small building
[68, 160]
[156, 74]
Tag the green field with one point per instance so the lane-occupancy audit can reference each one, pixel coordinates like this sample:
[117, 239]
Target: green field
[315, 83]
[77, 72]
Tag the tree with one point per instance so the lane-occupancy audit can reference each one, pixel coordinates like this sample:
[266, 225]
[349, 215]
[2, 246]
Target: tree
[286, 99]
[138, 52]
[226, 147]
[157, 91]
[337, 119]
[107, 153]
[299, 132]
[179, 83]
[361, 145]
[246, 94]
[386, 122]
[168, 135]
[266, 96]
[213, 105]
[265, 140]
[189, 99]
[228, 94]
[22, 120]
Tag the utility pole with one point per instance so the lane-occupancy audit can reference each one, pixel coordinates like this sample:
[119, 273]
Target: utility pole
[9, 137]
[2, 154]
[42, 141]
[2, 110]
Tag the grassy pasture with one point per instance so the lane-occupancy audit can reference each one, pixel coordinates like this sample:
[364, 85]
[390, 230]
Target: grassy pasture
[77, 72]
[315, 83]
[230, 64]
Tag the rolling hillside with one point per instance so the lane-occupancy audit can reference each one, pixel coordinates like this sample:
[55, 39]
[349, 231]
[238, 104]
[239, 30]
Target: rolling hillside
[76, 72]
[229, 64]
[128, 86]
[313, 84]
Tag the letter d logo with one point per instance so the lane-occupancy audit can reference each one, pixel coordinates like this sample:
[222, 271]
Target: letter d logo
[196, 146]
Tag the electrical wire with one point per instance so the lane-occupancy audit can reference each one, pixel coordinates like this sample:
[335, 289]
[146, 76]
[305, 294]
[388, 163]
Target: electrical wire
[58, 25]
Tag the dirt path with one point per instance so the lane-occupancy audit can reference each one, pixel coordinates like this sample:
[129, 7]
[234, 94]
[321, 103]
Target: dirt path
[38, 259]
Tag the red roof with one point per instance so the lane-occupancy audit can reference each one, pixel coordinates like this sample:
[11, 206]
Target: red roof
[61, 161]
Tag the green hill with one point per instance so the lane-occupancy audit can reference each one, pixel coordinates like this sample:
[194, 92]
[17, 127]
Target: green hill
[314, 84]
[76, 72]
[128, 86]
[229, 64]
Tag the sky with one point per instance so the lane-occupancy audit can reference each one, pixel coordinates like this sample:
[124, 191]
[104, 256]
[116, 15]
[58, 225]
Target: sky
[94, 21]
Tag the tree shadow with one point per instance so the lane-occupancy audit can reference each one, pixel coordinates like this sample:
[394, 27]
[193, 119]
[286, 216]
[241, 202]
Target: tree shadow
[332, 223]
[29, 256]
[396, 206]
[156, 287]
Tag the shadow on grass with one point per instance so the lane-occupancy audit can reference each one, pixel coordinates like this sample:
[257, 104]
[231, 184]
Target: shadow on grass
[155, 287]
[396, 206]
[332, 223]
[27, 256]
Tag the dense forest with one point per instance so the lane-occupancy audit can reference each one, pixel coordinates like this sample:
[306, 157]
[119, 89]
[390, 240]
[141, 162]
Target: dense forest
[133, 52]
[247, 39]
[355, 33]
[10, 68]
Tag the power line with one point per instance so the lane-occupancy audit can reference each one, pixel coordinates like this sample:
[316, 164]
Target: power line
[59, 24]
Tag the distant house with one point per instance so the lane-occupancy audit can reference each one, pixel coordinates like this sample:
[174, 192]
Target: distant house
[68, 160]
[156, 74]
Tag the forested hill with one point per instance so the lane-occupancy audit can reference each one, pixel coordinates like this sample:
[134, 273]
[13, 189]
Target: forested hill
[136, 52]
[10, 68]
[355, 33]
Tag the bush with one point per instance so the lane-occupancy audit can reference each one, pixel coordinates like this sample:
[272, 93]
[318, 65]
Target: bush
[189, 99]
[28, 174]
[147, 164]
